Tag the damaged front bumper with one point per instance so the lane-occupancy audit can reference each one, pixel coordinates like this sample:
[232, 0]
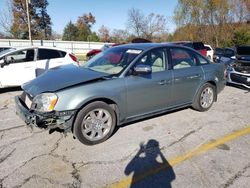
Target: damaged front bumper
[62, 120]
[238, 78]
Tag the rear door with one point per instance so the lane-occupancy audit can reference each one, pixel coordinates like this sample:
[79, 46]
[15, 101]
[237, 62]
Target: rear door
[49, 58]
[20, 69]
[187, 75]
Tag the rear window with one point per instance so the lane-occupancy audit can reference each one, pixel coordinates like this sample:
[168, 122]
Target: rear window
[198, 45]
[50, 54]
[243, 50]
[208, 48]
[229, 53]
[218, 51]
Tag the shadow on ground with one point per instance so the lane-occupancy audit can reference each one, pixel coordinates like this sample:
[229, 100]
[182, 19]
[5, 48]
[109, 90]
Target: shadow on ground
[150, 168]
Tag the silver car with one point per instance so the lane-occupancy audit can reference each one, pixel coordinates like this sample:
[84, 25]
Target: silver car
[238, 72]
[117, 86]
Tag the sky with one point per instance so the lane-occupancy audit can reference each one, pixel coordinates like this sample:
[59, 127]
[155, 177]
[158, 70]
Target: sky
[111, 13]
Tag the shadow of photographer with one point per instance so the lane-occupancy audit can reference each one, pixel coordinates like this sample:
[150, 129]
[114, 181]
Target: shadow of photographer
[150, 168]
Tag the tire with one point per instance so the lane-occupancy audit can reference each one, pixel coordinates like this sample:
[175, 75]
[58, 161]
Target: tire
[94, 123]
[205, 98]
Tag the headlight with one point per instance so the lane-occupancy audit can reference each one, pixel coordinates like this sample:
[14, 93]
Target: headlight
[44, 102]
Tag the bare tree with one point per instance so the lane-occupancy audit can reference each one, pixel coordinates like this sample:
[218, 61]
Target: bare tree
[119, 35]
[148, 26]
[154, 24]
[104, 34]
[135, 21]
[6, 18]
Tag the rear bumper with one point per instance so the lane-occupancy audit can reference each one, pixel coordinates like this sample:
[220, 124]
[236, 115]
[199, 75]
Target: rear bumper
[47, 121]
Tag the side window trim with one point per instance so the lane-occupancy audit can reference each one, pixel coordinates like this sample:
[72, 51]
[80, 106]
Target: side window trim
[150, 52]
[189, 52]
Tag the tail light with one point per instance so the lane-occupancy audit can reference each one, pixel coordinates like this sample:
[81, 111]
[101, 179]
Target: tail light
[74, 58]
[225, 73]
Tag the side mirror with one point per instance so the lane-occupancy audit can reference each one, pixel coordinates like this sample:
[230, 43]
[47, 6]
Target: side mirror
[143, 69]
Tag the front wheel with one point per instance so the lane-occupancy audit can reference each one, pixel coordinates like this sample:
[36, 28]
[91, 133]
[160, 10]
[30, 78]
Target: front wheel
[205, 97]
[94, 123]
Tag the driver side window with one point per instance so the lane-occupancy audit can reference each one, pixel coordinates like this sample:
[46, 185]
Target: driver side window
[155, 59]
[20, 56]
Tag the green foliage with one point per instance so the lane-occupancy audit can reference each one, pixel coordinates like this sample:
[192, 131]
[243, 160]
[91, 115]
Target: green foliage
[70, 32]
[81, 31]
[93, 37]
[241, 37]
[39, 18]
[212, 21]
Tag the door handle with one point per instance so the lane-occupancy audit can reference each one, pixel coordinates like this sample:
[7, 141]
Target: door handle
[194, 76]
[164, 82]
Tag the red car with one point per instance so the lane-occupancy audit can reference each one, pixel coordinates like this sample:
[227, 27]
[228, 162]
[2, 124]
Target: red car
[93, 52]
[199, 46]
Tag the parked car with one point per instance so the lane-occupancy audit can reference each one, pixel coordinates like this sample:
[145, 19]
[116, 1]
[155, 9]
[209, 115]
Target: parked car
[3, 48]
[92, 100]
[239, 72]
[18, 66]
[210, 52]
[199, 46]
[93, 52]
[228, 56]
[218, 52]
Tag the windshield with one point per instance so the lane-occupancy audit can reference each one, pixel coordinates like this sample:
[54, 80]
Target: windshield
[6, 51]
[218, 51]
[113, 60]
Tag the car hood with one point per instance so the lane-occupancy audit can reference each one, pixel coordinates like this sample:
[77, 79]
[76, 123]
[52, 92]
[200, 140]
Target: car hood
[59, 78]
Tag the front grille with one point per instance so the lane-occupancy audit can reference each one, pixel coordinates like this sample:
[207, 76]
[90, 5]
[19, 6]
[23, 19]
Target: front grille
[240, 78]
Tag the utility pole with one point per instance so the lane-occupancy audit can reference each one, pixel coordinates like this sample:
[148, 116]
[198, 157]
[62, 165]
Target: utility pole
[28, 16]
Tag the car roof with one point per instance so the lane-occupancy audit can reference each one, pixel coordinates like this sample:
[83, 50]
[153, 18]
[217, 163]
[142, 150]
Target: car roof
[41, 47]
[33, 47]
[146, 46]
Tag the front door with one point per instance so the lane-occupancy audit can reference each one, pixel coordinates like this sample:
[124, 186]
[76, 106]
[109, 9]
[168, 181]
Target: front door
[20, 68]
[150, 92]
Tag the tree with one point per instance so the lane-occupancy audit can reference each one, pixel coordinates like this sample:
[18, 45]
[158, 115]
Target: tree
[6, 19]
[135, 21]
[44, 21]
[70, 32]
[104, 34]
[147, 27]
[40, 20]
[212, 21]
[84, 24]
[119, 36]
[81, 30]
[241, 37]
[93, 37]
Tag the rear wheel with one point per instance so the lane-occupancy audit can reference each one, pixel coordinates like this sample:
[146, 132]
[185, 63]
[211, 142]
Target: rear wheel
[95, 123]
[205, 98]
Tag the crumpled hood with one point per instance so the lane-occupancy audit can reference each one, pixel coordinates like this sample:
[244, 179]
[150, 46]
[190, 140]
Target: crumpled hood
[60, 77]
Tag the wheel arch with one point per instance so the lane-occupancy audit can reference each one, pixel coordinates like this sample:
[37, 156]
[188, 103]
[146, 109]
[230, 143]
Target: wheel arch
[108, 101]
